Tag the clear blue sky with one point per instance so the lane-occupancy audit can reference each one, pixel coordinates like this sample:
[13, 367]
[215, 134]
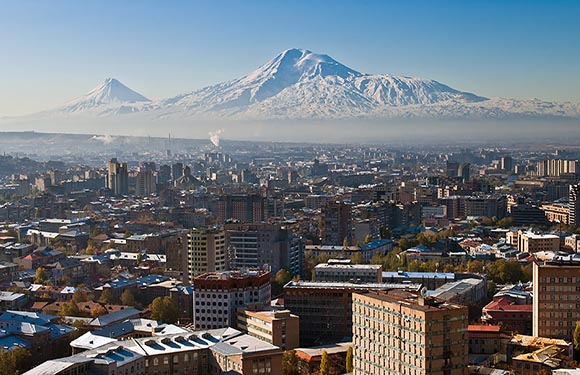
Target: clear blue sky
[53, 51]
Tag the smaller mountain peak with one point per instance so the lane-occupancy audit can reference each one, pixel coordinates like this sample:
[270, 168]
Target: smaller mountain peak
[112, 81]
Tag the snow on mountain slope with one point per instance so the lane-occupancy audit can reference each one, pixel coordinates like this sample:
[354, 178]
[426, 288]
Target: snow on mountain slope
[300, 84]
[109, 97]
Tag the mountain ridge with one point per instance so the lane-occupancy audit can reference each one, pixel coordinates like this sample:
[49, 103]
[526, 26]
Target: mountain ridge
[301, 84]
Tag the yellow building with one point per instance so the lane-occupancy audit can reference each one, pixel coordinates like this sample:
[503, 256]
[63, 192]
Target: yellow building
[403, 333]
[206, 252]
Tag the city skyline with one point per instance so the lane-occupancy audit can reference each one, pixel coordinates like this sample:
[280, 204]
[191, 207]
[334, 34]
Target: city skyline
[494, 49]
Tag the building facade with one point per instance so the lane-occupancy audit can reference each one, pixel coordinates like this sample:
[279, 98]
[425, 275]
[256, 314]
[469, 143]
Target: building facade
[399, 332]
[280, 328]
[218, 295]
[325, 308]
[206, 252]
[117, 177]
[556, 290]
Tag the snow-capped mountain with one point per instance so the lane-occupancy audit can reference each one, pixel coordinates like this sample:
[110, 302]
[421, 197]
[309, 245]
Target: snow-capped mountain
[110, 96]
[300, 84]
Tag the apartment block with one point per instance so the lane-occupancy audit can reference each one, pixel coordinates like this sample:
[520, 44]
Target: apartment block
[556, 290]
[218, 295]
[325, 308]
[398, 332]
[258, 244]
[278, 327]
[206, 252]
[332, 271]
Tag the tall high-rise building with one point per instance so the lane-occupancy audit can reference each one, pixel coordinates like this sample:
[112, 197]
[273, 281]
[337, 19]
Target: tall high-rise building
[507, 163]
[117, 177]
[556, 167]
[336, 223]
[164, 174]
[257, 244]
[206, 252]
[145, 184]
[246, 208]
[574, 205]
[464, 171]
[398, 332]
[176, 171]
[556, 286]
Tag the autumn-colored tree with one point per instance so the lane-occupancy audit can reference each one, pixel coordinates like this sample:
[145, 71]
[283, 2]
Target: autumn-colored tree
[577, 337]
[127, 298]
[324, 364]
[69, 309]
[14, 361]
[349, 354]
[357, 258]
[97, 311]
[290, 363]
[80, 295]
[107, 297]
[165, 310]
[40, 276]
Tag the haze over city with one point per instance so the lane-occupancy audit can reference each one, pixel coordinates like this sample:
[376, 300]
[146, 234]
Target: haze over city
[290, 187]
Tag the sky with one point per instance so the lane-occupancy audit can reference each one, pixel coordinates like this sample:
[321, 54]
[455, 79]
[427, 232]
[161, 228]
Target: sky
[54, 51]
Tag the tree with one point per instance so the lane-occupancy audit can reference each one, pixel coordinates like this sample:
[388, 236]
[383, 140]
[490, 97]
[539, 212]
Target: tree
[97, 311]
[283, 276]
[475, 266]
[368, 238]
[165, 310]
[69, 309]
[127, 298]
[80, 295]
[14, 362]
[385, 233]
[324, 364]
[349, 367]
[40, 276]
[357, 258]
[577, 337]
[345, 243]
[290, 363]
[107, 297]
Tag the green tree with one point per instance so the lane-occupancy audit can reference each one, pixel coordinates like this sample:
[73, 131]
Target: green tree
[165, 310]
[40, 276]
[107, 297]
[349, 367]
[385, 233]
[127, 298]
[324, 364]
[14, 362]
[290, 363]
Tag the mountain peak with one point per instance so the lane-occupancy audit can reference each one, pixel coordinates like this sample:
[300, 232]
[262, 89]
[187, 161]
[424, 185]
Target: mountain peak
[111, 91]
